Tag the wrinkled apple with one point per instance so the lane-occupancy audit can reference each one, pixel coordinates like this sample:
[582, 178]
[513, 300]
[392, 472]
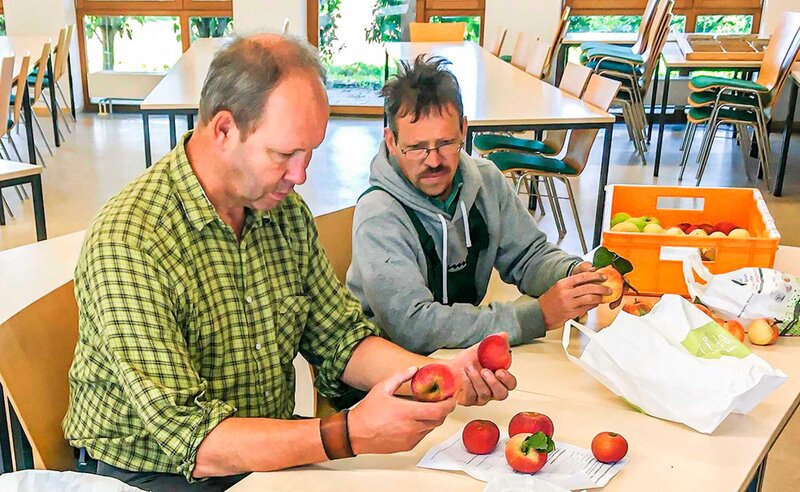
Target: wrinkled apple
[480, 436]
[609, 447]
[762, 332]
[531, 423]
[527, 453]
[494, 353]
[434, 382]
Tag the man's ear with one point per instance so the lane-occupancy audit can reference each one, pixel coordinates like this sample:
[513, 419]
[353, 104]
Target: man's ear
[464, 126]
[391, 141]
[224, 128]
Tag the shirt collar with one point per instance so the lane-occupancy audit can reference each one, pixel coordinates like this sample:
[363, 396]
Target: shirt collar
[448, 205]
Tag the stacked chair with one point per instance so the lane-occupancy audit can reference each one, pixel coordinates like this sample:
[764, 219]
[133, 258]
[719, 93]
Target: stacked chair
[556, 44]
[40, 81]
[495, 44]
[635, 68]
[519, 56]
[445, 32]
[742, 103]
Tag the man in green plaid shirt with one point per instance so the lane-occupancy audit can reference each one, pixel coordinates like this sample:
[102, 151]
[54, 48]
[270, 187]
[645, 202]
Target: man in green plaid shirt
[200, 282]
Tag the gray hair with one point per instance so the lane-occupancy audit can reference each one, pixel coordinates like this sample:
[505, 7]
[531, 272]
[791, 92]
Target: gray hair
[244, 73]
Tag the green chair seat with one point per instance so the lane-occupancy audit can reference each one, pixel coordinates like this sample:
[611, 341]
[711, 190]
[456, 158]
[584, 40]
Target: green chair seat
[605, 47]
[614, 66]
[491, 141]
[705, 82]
[597, 53]
[700, 115]
[514, 160]
[709, 97]
[506, 58]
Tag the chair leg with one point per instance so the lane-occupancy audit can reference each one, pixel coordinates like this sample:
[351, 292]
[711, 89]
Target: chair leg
[763, 155]
[41, 132]
[712, 130]
[571, 197]
[64, 98]
[691, 130]
[63, 116]
[8, 208]
[47, 104]
[685, 137]
[556, 207]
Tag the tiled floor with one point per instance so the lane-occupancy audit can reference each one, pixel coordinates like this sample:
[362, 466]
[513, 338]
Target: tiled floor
[104, 153]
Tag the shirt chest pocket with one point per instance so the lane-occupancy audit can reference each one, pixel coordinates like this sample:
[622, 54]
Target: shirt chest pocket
[291, 314]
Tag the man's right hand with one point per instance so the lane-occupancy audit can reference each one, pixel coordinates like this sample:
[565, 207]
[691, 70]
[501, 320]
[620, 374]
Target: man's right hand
[384, 423]
[572, 297]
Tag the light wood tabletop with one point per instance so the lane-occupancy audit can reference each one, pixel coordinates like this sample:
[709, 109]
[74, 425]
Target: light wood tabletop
[14, 169]
[661, 452]
[673, 57]
[496, 93]
[180, 88]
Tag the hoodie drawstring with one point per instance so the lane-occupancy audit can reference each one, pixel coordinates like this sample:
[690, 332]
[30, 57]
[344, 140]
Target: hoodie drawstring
[466, 223]
[444, 258]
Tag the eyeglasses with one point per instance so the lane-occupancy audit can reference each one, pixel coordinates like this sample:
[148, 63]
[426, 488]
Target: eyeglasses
[445, 150]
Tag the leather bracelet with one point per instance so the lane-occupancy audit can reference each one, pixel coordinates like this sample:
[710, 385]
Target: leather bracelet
[335, 436]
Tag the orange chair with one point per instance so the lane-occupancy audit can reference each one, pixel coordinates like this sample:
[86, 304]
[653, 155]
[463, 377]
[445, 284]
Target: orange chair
[445, 32]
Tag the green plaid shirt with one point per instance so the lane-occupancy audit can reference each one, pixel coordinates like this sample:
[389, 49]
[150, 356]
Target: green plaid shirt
[182, 326]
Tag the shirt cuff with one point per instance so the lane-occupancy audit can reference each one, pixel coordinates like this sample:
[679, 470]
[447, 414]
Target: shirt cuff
[328, 381]
[214, 412]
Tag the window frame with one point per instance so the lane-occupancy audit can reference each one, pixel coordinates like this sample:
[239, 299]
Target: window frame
[183, 9]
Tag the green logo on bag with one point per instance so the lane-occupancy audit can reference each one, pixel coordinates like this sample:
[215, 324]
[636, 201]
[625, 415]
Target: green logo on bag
[712, 341]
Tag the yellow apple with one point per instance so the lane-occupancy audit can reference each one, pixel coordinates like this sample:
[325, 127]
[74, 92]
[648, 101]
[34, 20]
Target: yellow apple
[675, 231]
[625, 227]
[717, 234]
[762, 332]
[698, 232]
[739, 233]
[653, 228]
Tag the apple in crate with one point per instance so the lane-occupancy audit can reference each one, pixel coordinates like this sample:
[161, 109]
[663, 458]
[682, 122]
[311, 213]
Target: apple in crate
[530, 423]
[434, 382]
[480, 436]
[494, 353]
[527, 453]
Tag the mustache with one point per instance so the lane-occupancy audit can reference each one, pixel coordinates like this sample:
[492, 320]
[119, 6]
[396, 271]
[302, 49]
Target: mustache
[432, 171]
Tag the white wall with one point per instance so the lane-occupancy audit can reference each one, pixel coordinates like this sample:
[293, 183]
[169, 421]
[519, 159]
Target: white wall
[534, 16]
[251, 16]
[46, 18]
[772, 12]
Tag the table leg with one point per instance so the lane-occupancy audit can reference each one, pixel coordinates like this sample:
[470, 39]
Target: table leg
[653, 91]
[71, 87]
[53, 104]
[662, 122]
[5, 443]
[601, 186]
[148, 159]
[787, 137]
[190, 121]
[26, 110]
[38, 207]
[173, 135]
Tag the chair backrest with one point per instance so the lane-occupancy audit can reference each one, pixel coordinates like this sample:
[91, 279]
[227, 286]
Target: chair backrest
[285, 28]
[600, 92]
[573, 82]
[494, 45]
[519, 56]
[561, 31]
[430, 32]
[655, 48]
[42, 70]
[644, 28]
[537, 54]
[38, 345]
[336, 238]
[61, 52]
[781, 51]
[6, 79]
[22, 79]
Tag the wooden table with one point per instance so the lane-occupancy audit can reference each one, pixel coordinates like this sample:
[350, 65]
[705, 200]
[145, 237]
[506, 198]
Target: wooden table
[661, 452]
[500, 97]
[794, 77]
[675, 61]
[13, 173]
[20, 46]
[178, 93]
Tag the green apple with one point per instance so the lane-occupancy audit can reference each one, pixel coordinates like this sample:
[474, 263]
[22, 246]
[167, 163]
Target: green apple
[675, 231]
[653, 228]
[638, 222]
[625, 227]
[620, 217]
[650, 220]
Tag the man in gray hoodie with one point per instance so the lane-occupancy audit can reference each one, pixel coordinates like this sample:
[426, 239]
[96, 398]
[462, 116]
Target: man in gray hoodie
[430, 204]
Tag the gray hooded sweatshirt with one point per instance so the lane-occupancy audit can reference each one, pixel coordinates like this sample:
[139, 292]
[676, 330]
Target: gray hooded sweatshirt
[389, 274]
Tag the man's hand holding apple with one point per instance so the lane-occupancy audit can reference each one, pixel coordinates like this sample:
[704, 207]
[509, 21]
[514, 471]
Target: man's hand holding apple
[480, 385]
[573, 296]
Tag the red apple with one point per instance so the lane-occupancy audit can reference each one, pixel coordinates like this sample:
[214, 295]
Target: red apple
[530, 423]
[725, 227]
[434, 382]
[609, 447]
[636, 308]
[480, 436]
[685, 227]
[494, 353]
[527, 453]
[735, 328]
[614, 282]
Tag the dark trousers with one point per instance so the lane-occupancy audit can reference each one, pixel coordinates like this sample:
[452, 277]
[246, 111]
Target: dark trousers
[166, 482]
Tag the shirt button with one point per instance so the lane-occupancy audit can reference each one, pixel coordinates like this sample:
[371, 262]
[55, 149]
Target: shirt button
[258, 346]
[249, 299]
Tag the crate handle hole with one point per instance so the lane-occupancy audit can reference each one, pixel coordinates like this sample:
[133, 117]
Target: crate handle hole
[680, 203]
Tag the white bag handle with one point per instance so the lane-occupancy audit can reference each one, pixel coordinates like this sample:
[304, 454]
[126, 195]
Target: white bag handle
[693, 264]
[565, 338]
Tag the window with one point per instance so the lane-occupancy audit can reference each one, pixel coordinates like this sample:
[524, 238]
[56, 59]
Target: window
[2, 20]
[122, 41]
[725, 24]
[473, 24]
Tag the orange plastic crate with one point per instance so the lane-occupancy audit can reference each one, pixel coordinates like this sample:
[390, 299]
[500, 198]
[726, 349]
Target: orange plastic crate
[657, 269]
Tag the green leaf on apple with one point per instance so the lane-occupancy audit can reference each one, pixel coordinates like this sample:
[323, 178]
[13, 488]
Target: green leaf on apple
[622, 265]
[539, 442]
[602, 257]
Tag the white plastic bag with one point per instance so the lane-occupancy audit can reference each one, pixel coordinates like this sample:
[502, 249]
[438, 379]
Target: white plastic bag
[675, 363]
[747, 293]
[46, 480]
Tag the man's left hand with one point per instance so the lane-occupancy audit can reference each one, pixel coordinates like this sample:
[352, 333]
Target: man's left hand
[478, 385]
